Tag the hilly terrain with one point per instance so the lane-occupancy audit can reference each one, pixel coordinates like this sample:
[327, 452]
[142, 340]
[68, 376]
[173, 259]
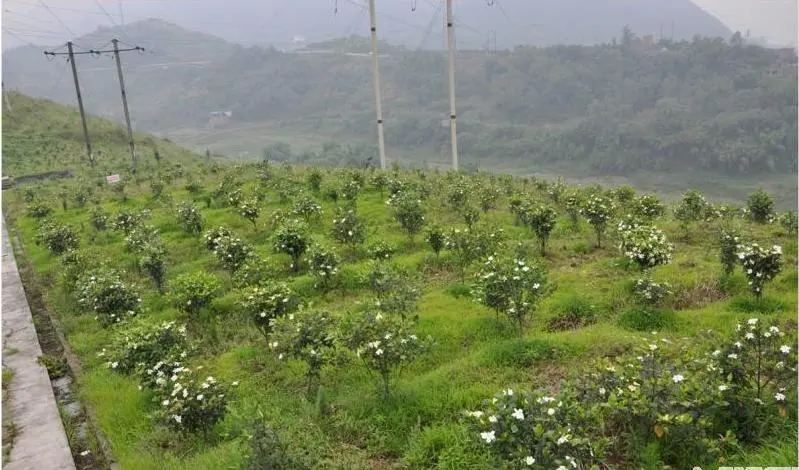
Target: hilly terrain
[302, 317]
[414, 23]
[701, 106]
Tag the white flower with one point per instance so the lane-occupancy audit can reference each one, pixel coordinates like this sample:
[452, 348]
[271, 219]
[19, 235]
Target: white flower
[235, 383]
[200, 397]
[785, 349]
[114, 365]
[508, 392]
[551, 411]
[723, 387]
[563, 439]
[774, 329]
[476, 414]
[716, 352]
[602, 391]
[779, 397]
[653, 347]
[489, 437]
[678, 378]
[379, 352]
[518, 414]
[732, 356]
[492, 419]
[738, 344]
[752, 321]
[529, 460]
[178, 419]
[750, 336]
[165, 403]
[536, 285]
[85, 453]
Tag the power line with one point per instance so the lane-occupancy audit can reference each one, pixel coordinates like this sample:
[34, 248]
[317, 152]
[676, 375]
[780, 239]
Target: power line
[72, 33]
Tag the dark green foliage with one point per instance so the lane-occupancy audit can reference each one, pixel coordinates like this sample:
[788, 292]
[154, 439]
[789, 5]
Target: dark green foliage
[519, 353]
[761, 206]
[573, 312]
[267, 451]
[644, 319]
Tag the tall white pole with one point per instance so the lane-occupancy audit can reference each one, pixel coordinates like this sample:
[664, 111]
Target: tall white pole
[452, 115]
[381, 142]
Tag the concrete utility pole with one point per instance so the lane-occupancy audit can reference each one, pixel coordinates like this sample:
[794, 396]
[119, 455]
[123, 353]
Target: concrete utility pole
[381, 142]
[80, 103]
[452, 115]
[125, 104]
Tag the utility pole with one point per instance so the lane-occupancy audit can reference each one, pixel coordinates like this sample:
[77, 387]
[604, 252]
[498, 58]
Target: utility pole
[80, 103]
[452, 115]
[125, 104]
[6, 101]
[381, 142]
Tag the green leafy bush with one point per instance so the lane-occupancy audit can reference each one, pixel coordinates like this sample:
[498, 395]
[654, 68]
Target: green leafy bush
[189, 218]
[266, 303]
[760, 206]
[408, 211]
[191, 292]
[598, 210]
[105, 293]
[140, 346]
[56, 237]
[760, 265]
[292, 239]
[308, 336]
[541, 220]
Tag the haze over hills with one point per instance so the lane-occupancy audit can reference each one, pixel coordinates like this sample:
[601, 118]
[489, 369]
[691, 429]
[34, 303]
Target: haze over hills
[414, 23]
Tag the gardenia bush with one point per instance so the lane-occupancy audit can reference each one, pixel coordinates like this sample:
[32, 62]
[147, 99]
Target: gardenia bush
[470, 245]
[408, 211]
[729, 240]
[307, 208]
[292, 239]
[191, 292]
[761, 207]
[650, 292]
[250, 211]
[381, 251]
[141, 346]
[348, 228]
[649, 207]
[39, 210]
[541, 220]
[189, 218]
[213, 236]
[323, 264]
[691, 208]
[56, 237]
[108, 296]
[232, 252]
[511, 287]
[384, 344]
[788, 221]
[436, 238]
[99, 218]
[308, 336]
[266, 303]
[598, 210]
[760, 265]
[646, 246]
[189, 403]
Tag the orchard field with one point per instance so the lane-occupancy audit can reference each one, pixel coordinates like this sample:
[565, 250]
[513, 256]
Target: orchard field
[264, 316]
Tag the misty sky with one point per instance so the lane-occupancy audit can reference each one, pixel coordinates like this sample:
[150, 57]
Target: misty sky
[776, 20]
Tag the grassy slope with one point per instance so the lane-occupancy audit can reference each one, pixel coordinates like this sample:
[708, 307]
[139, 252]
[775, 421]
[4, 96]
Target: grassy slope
[39, 135]
[475, 355]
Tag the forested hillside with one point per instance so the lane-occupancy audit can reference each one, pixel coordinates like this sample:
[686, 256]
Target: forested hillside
[704, 104]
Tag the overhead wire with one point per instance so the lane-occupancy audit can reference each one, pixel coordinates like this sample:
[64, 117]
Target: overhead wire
[72, 33]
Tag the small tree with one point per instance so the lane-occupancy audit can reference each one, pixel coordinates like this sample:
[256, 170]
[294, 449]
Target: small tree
[470, 215]
[384, 344]
[56, 237]
[573, 203]
[691, 208]
[250, 211]
[324, 265]
[469, 245]
[408, 212]
[542, 220]
[379, 182]
[788, 221]
[512, 287]
[213, 236]
[232, 252]
[309, 337]
[192, 292]
[39, 210]
[436, 238]
[646, 246]
[190, 218]
[153, 264]
[99, 218]
[292, 239]
[761, 207]
[104, 293]
[488, 196]
[265, 303]
[598, 210]
[314, 179]
[381, 251]
[348, 228]
[729, 240]
[307, 208]
[648, 207]
[760, 265]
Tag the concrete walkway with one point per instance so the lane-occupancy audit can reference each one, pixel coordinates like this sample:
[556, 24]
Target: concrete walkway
[40, 442]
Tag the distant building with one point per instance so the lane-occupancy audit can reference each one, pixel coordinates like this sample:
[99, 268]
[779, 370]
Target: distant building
[218, 118]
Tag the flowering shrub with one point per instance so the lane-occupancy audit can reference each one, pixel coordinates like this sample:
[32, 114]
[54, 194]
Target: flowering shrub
[533, 430]
[324, 264]
[469, 245]
[232, 252]
[556, 190]
[104, 293]
[306, 336]
[213, 236]
[99, 218]
[189, 404]
[265, 303]
[56, 237]
[39, 210]
[457, 195]
[573, 203]
[140, 237]
[189, 218]
[691, 208]
[381, 251]
[650, 292]
[761, 207]
[598, 210]
[307, 208]
[512, 287]
[348, 228]
[193, 187]
[436, 238]
[314, 179]
[408, 211]
[470, 215]
[788, 221]
[250, 211]
[234, 197]
[646, 246]
[126, 221]
[379, 181]
[191, 292]
[350, 190]
[541, 220]
[383, 343]
[488, 196]
[760, 265]
[292, 239]
[728, 249]
[153, 264]
[254, 271]
[623, 194]
[517, 207]
[649, 207]
[73, 266]
[395, 292]
[141, 346]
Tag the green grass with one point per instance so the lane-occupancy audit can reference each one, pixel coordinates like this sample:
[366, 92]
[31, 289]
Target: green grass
[475, 353]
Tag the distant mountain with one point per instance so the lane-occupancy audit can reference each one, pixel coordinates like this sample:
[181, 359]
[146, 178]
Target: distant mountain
[414, 23]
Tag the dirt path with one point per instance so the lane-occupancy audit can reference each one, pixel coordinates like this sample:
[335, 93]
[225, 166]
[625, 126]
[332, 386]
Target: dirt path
[40, 441]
